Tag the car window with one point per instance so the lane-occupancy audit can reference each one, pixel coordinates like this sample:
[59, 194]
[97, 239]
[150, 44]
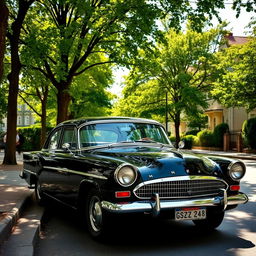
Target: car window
[54, 139]
[100, 134]
[93, 137]
[69, 137]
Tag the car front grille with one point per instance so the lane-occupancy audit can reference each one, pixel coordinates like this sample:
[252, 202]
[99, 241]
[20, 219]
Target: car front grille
[181, 188]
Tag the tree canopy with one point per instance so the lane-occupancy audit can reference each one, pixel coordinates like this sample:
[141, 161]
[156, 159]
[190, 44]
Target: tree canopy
[172, 77]
[235, 85]
[64, 38]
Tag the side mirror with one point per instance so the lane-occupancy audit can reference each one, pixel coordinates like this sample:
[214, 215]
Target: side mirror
[66, 146]
[181, 144]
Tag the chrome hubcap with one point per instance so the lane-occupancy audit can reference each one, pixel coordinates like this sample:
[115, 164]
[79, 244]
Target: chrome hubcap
[95, 214]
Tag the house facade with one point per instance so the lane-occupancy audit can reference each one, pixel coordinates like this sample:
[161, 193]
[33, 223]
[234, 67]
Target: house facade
[234, 117]
[24, 117]
[217, 113]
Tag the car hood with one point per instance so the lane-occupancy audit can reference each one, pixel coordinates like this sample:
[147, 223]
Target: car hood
[158, 162]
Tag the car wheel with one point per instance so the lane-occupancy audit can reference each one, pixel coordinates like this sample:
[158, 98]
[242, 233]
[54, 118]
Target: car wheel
[213, 220]
[95, 216]
[38, 194]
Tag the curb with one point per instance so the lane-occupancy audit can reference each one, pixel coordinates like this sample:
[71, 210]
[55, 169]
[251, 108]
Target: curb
[29, 221]
[7, 224]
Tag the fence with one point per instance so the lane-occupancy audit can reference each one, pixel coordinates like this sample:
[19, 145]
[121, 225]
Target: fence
[233, 141]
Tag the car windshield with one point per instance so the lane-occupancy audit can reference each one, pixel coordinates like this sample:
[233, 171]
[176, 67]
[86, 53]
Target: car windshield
[109, 133]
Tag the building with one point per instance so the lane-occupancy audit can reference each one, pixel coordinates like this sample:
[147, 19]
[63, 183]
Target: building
[217, 113]
[24, 117]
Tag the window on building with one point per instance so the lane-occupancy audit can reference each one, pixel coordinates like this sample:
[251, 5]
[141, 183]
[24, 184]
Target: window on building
[27, 120]
[19, 121]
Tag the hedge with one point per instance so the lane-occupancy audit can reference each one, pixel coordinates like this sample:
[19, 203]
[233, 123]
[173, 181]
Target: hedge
[206, 138]
[218, 134]
[249, 132]
[31, 136]
[189, 141]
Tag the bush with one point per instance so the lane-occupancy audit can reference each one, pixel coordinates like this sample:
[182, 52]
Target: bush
[189, 141]
[31, 135]
[206, 138]
[249, 132]
[173, 140]
[218, 134]
[192, 132]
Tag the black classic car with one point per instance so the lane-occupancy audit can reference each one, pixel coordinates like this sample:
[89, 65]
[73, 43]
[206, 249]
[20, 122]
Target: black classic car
[116, 165]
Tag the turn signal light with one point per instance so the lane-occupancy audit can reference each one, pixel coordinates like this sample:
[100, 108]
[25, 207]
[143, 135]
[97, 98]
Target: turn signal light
[234, 187]
[122, 194]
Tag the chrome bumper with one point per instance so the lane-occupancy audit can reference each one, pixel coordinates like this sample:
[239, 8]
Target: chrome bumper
[154, 205]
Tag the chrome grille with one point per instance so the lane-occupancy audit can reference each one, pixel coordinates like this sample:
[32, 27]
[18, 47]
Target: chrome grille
[180, 188]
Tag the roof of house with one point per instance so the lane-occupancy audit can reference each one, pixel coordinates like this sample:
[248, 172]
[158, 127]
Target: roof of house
[233, 40]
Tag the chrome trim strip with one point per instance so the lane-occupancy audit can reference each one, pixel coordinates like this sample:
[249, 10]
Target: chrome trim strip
[75, 172]
[26, 170]
[147, 206]
[178, 178]
[28, 161]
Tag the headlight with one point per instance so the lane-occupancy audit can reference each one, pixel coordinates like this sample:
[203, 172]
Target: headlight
[125, 175]
[236, 170]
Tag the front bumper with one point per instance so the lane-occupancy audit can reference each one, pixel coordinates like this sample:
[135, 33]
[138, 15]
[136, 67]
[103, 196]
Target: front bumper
[155, 205]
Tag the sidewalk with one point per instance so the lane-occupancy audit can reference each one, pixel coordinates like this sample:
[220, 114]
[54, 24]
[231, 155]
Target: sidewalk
[13, 194]
[230, 154]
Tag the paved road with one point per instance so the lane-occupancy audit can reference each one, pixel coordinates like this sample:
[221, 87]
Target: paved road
[63, 235]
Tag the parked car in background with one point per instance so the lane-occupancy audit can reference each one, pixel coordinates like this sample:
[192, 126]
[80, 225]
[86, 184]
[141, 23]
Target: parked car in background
[116, 165]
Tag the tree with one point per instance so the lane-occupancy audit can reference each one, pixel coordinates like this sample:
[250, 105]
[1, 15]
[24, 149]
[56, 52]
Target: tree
[82, 35]
[70, 37]
[34, 92]
[235, 86]
[89, 94]
[177, 71]
[13, 35]
[3, 28]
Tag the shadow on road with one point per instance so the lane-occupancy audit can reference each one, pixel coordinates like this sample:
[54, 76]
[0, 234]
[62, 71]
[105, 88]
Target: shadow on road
[135, 236]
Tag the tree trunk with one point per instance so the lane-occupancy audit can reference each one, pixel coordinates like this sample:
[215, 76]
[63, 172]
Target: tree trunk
[3, 28]
[10, 152]
[13, 77]
[43, 117]
[177, 128]
[63, 100]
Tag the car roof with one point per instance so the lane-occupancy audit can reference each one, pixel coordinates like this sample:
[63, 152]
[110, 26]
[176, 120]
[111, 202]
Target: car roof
[85, 120]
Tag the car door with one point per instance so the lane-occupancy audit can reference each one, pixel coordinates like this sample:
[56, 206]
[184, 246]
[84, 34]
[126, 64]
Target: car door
[49, 178]
[65, 157]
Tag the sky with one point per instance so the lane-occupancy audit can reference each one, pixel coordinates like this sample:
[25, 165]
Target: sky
[236, 26]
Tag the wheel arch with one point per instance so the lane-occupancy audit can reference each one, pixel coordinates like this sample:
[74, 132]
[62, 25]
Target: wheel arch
[84, 188]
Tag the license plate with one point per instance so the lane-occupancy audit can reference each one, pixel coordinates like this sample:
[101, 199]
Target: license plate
[195, 213]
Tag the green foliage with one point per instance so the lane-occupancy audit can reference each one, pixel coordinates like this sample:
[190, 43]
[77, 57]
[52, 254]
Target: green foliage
[192, 132]
[3, 100]
[206, 138]
[249, 132]
[197, 122]
[189, 141]
[235, 84]
[218, 134]
[176, 70]
[172, 138]
[31, 137]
